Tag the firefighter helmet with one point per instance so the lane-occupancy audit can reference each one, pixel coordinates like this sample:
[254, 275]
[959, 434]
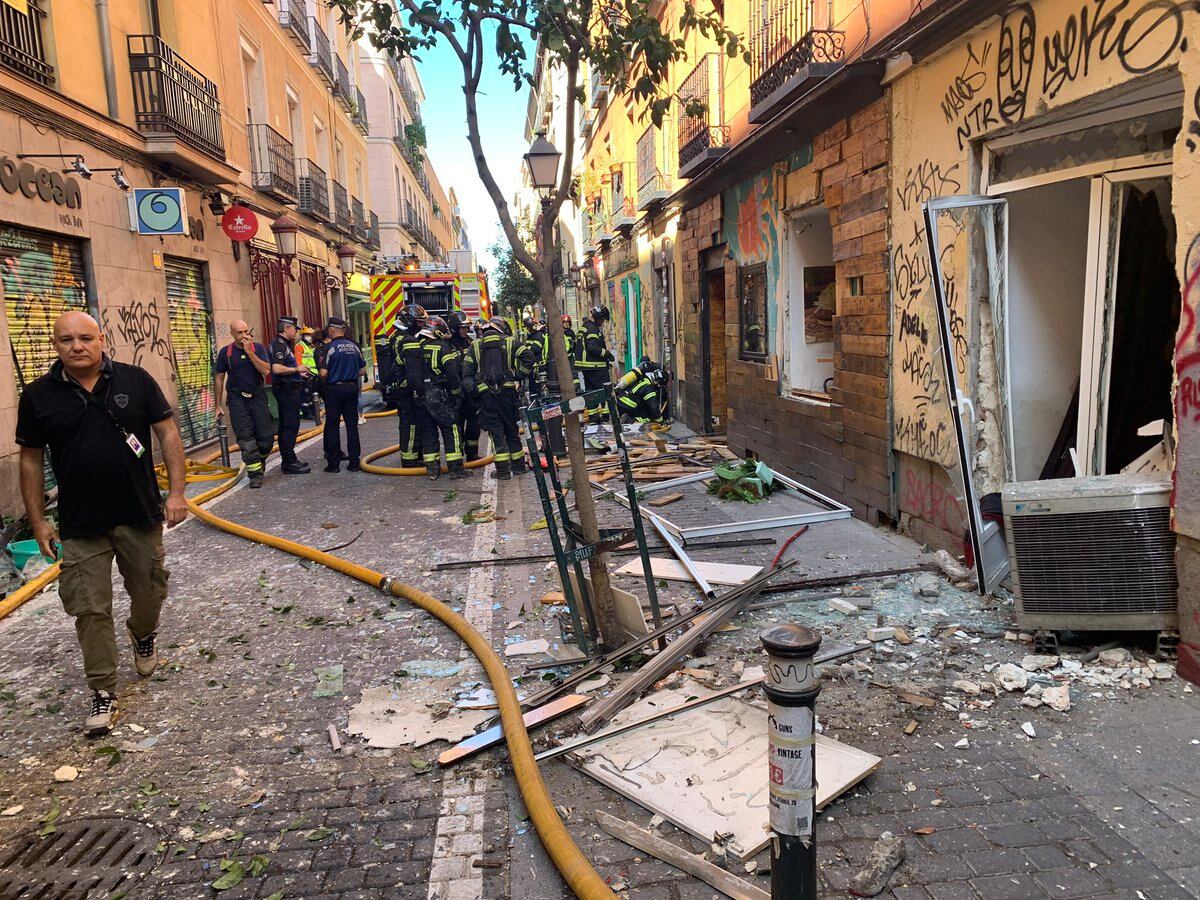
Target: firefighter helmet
[439, 327]
[497, 323]
[566, 321]
[458, 320]
[600, 314]
[412, 316]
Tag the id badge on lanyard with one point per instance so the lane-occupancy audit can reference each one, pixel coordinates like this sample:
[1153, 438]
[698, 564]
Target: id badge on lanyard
[135, 445]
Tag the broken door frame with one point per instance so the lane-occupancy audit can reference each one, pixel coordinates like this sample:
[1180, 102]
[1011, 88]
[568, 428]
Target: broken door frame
[988, 539]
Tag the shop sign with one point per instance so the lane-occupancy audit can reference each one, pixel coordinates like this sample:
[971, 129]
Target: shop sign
[239, 223]
[158, 211]
[49, 185]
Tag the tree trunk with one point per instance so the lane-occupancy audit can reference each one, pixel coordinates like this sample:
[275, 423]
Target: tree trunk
[585, 503]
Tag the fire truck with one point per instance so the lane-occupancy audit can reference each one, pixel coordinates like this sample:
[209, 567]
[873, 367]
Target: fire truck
[439, 288]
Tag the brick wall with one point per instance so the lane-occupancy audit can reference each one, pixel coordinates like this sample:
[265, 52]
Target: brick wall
[842, 449]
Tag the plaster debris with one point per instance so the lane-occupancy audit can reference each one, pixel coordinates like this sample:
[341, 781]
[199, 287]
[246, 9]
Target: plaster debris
[970, 688]
[927, 585]
[842, 606]
[1028, 728]
[1058, 697]
[1011, 677]
[1039, 663]
[885, 857]
[12, 810]
[411, 715]
[1113, 658]
[527, 648]
[66, 773]
[883, 633]
[962, 744]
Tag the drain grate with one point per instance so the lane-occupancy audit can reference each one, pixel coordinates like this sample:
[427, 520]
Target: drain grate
[84, 857]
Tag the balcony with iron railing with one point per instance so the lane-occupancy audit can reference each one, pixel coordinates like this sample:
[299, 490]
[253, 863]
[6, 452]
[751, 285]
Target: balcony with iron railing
[272, 163]
[170, 97]
[597, 89]
[653, 168]
[293, 16]
[423, 180]
[22, 42]
[341, 209]
[358, 220]
[372, 231]
[792, 47]
[313, 186]
[360, 112]
[407, 92]
[623, 197]
[320, 56]
[409, 219]
[703, 134]
[602, 221]
[343, 88]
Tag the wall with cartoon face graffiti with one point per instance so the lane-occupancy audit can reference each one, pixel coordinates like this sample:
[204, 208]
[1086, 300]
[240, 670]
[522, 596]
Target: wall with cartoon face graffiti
[1037, 57]
[750, 228]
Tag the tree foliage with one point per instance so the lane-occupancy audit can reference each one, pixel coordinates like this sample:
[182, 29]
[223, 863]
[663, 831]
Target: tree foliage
[513, 288]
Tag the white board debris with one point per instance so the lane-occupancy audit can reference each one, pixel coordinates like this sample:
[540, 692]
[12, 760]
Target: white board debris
[673, 570]
[401, 716]
[706, 771]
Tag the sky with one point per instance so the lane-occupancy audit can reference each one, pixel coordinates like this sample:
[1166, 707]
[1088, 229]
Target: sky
[502, 125]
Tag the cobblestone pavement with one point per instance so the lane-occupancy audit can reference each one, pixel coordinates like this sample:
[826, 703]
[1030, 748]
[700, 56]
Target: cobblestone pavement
[225, 753]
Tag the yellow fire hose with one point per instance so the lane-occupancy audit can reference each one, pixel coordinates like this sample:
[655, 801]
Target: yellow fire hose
[576, 870]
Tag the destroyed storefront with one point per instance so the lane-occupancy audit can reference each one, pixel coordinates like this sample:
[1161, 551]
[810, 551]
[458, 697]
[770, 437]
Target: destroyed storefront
[1055, 152]
[782, 298]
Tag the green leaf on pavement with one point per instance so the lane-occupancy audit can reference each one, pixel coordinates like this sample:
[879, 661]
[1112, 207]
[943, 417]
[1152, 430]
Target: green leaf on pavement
[48, 826]
[148, 789]
[258, 864]
[419, 764]
[234, 873]
[113, 754]
[319, 834]
[278, 895]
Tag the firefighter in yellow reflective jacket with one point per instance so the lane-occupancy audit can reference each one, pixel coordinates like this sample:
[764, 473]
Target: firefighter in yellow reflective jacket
[406, 351]
[309, 390]
[436, 383]
[641, 394]
[547, 380]
[493, 368]
[593, 357]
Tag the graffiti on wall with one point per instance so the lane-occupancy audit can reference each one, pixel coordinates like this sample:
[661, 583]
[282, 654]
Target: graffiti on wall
[1036, 56]
[40, 283]
[751, 228]
[138, 326]
[1187, 367]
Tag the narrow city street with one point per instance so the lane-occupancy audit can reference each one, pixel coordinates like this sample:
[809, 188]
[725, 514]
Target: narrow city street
[225, 758]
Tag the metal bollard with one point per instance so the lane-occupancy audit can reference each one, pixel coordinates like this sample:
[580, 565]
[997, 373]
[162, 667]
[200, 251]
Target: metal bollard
[791, 688]
[223, 441]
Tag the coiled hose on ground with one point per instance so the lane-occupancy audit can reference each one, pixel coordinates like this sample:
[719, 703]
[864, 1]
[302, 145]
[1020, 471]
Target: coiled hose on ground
[576, 870]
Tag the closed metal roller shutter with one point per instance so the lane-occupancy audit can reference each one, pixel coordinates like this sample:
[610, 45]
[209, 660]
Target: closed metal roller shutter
[192, 349]
[43, 277]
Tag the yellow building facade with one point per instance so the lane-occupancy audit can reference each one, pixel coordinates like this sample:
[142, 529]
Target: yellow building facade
[167, 113]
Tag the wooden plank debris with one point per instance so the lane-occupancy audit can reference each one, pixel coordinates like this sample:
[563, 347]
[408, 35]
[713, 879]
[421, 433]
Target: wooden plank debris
[673, 570]
[663, 501]
[648, 842]
[495, 735]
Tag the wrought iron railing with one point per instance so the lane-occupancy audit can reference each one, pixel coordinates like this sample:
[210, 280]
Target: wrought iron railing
[272, 163]
[408, 92]
[314, 190]
[343, 90]
[293, 16]
[707, 130]
[399, 137]
[172, 97]
[410, 217]
[786, 37]
[422, 180]
[372, 231]
[341, 208]
[623, 193]
[22, 44]
[653, 173]
[597, 89]
[321, 57]
[360, 112]
[358, 220]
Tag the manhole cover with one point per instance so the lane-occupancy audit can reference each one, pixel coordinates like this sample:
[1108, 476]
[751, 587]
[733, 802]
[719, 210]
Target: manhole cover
[81, 857]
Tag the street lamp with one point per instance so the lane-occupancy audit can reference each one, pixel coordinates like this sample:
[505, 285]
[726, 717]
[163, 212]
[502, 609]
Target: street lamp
[347, 256]
[542, 161]
[285, 229]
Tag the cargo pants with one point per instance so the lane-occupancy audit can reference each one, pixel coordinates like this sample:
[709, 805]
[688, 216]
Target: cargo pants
[86, 588]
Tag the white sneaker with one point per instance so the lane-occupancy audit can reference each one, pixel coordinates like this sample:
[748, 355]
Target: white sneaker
[104, 708]
[145, 654]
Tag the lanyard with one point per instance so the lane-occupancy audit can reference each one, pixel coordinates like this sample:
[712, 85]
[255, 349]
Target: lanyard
[92, 400]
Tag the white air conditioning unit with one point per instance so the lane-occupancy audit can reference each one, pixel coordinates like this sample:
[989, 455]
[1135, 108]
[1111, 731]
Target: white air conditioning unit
[1093, 554]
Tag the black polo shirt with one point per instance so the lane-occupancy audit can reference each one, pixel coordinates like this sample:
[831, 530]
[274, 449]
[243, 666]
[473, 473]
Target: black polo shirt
[101, 483]
[240, 374]
[283, 353]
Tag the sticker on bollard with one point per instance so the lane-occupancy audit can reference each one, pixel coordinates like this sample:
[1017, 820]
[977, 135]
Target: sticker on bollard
[790, 737]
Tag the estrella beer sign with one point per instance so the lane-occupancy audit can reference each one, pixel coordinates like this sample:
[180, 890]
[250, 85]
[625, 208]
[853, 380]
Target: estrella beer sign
[239, 223]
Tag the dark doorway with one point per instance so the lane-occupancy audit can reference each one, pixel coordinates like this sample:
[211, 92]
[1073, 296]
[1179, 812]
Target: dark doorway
[712, 341]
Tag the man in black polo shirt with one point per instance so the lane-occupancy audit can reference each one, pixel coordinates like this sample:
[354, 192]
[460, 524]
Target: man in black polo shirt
[340, 364]
[243, 365]
[96, 415]
[286, 377]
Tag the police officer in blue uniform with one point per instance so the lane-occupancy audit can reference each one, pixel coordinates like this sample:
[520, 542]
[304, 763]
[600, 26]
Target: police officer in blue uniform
[341, 366]
[286, 377]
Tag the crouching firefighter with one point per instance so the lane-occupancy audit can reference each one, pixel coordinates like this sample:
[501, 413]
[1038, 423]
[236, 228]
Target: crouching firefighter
[593, 357]
[406, 351]
[436, 384]
[493, 369]
[468, 409]
[641, 394]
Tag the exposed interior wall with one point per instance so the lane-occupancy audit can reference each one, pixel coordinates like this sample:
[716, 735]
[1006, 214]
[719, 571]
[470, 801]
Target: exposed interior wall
[1034, 60]
[809, 245]
[1047, 259]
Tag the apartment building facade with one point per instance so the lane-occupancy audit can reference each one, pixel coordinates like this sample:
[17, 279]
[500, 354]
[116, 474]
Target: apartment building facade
[167, 113]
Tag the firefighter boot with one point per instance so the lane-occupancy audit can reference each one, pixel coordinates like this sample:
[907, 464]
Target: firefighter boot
[434, 469]
[503, 471]
[458, 470]
[519, 466]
